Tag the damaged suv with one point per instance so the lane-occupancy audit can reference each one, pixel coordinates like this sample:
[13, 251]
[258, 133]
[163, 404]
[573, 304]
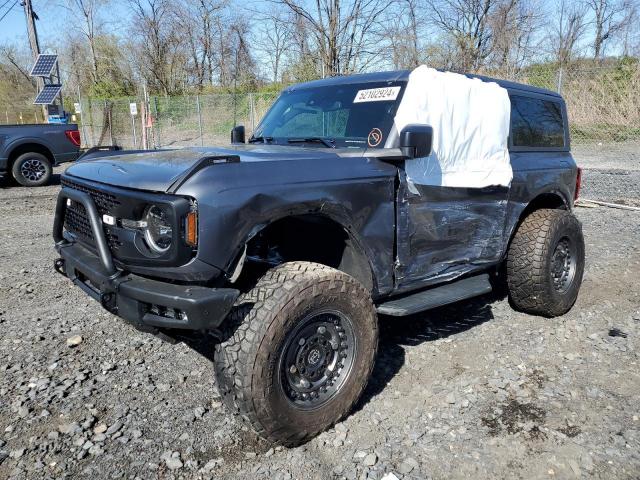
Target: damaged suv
[387, 193]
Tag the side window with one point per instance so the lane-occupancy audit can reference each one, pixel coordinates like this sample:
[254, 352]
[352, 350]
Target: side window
[536, 122]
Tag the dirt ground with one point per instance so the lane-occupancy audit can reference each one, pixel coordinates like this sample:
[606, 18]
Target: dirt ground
[474, 390]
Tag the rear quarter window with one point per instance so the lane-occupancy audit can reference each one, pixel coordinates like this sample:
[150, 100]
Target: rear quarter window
[536, 122]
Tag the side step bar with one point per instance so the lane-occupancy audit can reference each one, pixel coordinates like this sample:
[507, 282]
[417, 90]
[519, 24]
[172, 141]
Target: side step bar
[436, 297]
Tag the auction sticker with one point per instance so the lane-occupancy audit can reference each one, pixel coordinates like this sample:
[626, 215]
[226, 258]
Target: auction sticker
[377, 94]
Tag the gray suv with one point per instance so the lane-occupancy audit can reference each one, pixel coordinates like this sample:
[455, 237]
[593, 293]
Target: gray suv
[277, 254]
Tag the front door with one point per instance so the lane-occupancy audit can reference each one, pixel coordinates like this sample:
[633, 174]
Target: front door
[444, 232]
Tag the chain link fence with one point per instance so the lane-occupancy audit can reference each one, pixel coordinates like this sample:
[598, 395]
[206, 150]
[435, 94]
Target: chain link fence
[603, 104]
[196, 120]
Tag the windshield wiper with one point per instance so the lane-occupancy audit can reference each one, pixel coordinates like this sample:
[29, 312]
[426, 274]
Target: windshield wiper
[325, 141]
[260, 140]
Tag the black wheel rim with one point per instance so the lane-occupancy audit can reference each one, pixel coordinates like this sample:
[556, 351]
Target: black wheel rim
[317, 358]
[563, 265]
[33, 169]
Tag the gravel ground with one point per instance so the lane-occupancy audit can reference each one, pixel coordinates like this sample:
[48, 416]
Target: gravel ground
[473, 390]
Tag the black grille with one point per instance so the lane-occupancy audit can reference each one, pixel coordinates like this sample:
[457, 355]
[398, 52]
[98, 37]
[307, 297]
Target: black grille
[104, 201]
[76, 219]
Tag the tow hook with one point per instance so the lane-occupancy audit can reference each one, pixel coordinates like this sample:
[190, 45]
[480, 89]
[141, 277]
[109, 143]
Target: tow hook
[59, 266]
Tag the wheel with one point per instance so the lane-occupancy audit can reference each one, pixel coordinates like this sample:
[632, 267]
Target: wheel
[545, 263]
[299, 352]
[32, 169]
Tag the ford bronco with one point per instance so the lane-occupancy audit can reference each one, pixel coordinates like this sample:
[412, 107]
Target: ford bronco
[385, 193]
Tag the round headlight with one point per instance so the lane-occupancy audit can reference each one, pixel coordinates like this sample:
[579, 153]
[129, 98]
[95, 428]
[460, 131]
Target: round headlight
[159, 231]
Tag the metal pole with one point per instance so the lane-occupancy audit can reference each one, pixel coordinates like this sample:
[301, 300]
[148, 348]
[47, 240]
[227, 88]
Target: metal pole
[109, 116]
[133, 128]
[199, 119]
[559, 88]
[84, 130]
[34, 42]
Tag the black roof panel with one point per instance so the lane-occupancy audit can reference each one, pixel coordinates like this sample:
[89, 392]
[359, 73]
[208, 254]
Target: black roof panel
[403, 76]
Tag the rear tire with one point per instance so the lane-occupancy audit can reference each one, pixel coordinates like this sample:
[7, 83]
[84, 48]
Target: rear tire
[32, 169]
[298, 352]
[545, 263]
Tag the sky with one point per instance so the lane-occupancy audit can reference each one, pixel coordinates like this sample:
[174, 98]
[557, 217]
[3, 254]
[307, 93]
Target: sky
[53, 20]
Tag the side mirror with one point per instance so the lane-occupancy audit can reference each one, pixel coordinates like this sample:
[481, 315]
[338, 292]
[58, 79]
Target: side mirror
[416, 140]
[237, 134]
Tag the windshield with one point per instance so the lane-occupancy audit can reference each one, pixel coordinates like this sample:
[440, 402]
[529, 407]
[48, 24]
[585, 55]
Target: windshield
[351, 115]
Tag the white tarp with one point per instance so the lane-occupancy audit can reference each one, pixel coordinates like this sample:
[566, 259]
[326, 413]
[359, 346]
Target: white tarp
[470, 120]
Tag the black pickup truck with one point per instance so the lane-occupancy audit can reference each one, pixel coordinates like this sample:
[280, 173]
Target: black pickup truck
[279, 253]
[29, 152]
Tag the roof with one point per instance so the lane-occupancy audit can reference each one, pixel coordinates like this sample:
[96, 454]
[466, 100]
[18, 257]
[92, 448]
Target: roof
[403, 76]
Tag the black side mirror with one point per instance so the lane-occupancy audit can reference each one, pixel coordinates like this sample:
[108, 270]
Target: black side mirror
[237, 134]
[416, 140]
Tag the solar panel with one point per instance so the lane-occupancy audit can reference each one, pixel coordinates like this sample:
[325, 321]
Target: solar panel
[44, 65]
[47, 95]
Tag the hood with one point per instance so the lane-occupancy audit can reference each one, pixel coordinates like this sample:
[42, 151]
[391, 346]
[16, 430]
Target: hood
[158, 170]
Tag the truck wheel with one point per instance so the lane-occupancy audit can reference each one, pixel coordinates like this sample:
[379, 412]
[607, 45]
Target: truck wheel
[32, 169]
[545, 263]
[299, 352]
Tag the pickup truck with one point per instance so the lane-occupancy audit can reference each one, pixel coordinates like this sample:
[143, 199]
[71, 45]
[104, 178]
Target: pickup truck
[29, 152]
[376, 194]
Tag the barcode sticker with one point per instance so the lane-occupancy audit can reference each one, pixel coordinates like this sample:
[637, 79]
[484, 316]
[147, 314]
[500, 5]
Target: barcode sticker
[377, 94]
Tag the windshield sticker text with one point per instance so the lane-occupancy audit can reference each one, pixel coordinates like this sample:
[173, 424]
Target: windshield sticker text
[377, 94]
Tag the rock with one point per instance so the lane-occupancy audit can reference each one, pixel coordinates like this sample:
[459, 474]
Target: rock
[199, 412]
[450, 398]
[408, 465]
[15, 454]
[114, 428]
[359, 455]
[389, 476]
[172, 460]
[370, 460]
[69, 428]
[211, 464]
[100, 428]
[74, 341]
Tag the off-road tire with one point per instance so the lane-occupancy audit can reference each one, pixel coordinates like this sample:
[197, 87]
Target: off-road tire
[32, 169]
[530, 263]
[247, 362]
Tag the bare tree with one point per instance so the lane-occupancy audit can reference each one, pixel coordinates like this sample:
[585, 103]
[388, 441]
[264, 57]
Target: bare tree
[89, 11]
[161, 53]
[402, 29]
[274, 39]
[566, 30]
[342, 30]
[609, 18]
[515, 25]
[468, 24]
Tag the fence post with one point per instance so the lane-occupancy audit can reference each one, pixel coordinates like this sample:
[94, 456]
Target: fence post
[199, 119]
[559, 87]
[252, 112]
[155, 104]
[133, 130]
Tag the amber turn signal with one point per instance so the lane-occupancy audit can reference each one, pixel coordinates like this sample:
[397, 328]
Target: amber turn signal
[191, 231]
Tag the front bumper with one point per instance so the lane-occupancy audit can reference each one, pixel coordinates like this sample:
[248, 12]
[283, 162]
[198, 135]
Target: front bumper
[149, 305]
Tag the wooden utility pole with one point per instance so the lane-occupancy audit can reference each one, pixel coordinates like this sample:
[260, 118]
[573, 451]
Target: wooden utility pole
[34, 42]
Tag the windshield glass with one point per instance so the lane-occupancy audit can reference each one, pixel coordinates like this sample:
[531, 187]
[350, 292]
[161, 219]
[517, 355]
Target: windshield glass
[351, 115]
